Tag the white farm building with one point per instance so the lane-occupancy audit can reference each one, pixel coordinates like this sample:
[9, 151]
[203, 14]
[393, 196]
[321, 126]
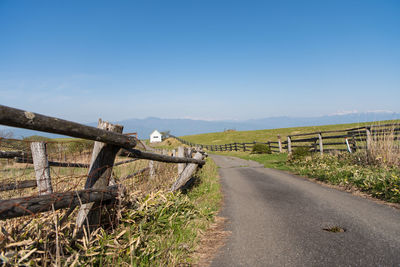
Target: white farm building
[155, 137]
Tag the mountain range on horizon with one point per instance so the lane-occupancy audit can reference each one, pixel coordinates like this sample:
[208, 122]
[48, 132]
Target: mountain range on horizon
[181, 127]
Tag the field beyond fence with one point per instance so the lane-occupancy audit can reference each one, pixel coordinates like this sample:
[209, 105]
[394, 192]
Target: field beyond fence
[349, 140]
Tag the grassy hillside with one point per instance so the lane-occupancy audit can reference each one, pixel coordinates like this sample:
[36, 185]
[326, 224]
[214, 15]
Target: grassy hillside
[268, 135]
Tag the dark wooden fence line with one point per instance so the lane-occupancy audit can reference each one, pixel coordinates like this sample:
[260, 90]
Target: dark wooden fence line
[316, 143]
[12, 154]
[18, 185]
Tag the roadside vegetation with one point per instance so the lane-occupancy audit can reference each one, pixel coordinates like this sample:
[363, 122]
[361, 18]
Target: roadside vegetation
[376, 172]
[153, 227]
[351, 171]
[161, 228]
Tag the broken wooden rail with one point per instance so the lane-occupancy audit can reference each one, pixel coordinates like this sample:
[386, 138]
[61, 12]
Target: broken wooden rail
[17, 207]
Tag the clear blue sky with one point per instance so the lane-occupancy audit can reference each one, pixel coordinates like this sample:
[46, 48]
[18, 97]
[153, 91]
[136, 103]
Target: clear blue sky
[82, 60]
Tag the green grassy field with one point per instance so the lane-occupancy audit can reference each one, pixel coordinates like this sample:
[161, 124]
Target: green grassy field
[221, 138]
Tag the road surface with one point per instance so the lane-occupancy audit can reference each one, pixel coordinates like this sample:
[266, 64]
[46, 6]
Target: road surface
[278, 219]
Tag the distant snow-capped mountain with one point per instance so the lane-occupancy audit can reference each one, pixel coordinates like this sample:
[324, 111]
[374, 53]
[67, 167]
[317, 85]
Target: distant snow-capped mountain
[181, 127]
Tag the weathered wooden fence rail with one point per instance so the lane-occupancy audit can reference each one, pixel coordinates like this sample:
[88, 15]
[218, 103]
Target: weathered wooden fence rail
[99, 183]
[17, 207]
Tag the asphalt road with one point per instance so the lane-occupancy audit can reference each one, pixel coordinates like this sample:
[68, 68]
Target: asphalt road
[277, 219]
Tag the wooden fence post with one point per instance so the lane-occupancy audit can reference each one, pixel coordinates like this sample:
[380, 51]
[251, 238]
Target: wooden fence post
[289, 145]
[103, 157]
[369, 138]
[188, 152]
[321, 145]
[280, 143]
[244, 147]
[151, 169]
[41, 166]
[236, 149]
[186, 174]
[348, 145]
[181, 154]
[354, 144]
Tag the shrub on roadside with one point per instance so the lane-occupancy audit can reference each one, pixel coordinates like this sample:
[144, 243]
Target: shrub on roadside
[261, 149]
[299, 153]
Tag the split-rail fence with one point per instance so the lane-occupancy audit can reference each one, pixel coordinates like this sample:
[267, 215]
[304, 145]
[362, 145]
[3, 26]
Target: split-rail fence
[100, 187]
[349, 140]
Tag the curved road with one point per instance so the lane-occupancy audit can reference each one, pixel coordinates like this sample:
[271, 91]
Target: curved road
[277, 219]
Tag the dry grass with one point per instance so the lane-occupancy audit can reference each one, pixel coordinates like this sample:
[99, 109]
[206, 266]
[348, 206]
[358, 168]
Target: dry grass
[384, 149]
[149, 226]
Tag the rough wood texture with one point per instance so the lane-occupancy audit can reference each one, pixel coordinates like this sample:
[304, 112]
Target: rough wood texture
[369, 138]
[18, 185]
[188, 152]
[42, 168]
[321, 145]
[18, 207]
[157, 157]
[289, 145]
[151, 169]
[28, 120]
[103, 158]
[186, 174]
[181, 153]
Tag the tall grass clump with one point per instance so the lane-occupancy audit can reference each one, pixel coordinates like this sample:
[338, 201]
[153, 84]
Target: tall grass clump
[384, 149]
[261, 149]
[299, 153]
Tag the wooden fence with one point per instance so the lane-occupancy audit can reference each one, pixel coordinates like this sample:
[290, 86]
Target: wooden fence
[100, 187]
[349, 140]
